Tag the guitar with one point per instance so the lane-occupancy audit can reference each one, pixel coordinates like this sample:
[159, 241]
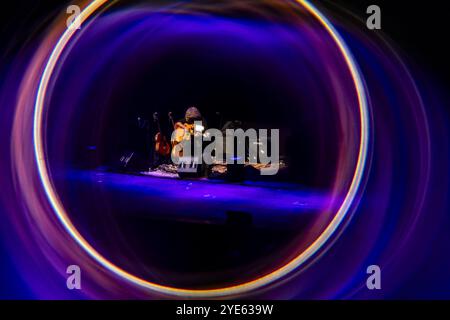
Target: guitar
[177, 137]
[162, 147]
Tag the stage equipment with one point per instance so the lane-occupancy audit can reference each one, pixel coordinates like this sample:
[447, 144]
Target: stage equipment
[190, 167]
[130, 161]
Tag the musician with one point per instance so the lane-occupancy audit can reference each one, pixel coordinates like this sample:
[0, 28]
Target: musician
[191, 126]
[192, 114]
[185, 128]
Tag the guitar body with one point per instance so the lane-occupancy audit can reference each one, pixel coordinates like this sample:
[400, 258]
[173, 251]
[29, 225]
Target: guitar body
[162, 147]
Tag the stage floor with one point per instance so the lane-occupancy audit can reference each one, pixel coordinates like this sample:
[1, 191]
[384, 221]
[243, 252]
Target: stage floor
[189, 233]
[197, 200]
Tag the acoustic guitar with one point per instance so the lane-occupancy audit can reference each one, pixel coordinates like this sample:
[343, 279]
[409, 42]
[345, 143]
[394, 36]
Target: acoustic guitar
[162, 147]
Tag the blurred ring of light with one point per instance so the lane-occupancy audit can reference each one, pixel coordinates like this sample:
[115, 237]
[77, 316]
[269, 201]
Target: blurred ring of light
[203, 293]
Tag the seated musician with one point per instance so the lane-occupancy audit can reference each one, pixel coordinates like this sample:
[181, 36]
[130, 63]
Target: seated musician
[192, 115]
[186, 128]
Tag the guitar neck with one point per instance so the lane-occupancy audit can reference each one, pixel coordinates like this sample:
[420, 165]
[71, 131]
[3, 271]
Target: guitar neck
[171, 120]
[159, 126]
[156, 120]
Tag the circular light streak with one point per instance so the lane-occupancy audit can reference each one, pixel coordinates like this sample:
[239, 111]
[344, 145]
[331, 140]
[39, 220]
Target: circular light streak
[200, 293]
